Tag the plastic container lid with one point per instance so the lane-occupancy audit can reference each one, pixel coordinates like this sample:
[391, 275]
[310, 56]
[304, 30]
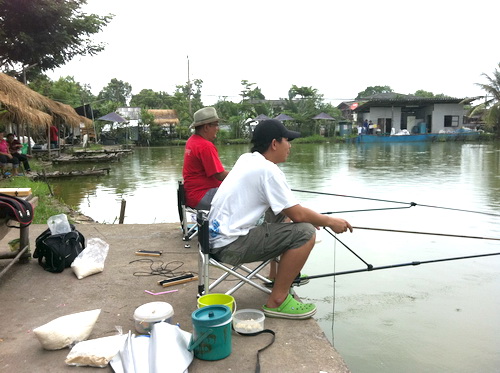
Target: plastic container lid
[154, 311]
[211, 315]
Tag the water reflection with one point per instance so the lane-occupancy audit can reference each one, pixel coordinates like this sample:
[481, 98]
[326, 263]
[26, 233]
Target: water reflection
[436, 317]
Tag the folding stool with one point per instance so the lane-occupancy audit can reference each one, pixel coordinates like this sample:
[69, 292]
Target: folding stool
[245, 274]
[189, 227]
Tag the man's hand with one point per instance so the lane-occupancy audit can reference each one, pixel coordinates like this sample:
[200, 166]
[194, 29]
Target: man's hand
[339, 225]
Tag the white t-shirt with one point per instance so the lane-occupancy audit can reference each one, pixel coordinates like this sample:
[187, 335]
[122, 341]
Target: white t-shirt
[252, 187]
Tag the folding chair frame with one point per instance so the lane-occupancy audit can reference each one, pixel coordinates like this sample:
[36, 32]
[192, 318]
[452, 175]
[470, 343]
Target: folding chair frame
[245, 274]
[188, 230]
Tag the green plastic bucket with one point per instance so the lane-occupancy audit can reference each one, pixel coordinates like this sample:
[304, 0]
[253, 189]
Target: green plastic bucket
[213, 299]
[211, 339]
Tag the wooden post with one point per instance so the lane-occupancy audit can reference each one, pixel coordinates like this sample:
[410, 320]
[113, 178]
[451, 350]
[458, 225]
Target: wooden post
[122, 212]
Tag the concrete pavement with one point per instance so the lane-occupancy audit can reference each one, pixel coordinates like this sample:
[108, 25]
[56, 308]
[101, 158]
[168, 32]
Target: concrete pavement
[31, 297]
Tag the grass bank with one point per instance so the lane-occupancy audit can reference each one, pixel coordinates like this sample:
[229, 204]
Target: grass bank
[48, 205]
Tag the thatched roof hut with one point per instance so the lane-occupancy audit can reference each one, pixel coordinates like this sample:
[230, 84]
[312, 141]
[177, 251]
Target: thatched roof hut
[16, 112]
[25, 106]
[165, 117]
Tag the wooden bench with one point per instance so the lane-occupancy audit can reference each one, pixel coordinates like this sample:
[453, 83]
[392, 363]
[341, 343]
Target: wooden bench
[22, 254]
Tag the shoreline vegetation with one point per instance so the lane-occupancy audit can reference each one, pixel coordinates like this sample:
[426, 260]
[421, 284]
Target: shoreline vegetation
[48, 205]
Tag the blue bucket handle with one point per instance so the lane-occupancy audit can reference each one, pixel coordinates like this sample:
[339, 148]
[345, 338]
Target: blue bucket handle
[194, 344]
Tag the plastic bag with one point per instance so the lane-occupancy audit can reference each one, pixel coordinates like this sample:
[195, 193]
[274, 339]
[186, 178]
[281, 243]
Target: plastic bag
[59, 224]
[95, 352]
[66, 330]
[91, 260]
[165, 351]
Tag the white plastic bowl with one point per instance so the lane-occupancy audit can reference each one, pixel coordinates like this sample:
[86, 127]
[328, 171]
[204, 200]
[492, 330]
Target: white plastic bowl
[248, 321]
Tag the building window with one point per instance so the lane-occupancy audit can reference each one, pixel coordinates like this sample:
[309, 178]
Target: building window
[451, 120]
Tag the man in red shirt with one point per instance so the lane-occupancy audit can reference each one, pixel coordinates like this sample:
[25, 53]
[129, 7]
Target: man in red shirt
[203, 171]
[53, 136]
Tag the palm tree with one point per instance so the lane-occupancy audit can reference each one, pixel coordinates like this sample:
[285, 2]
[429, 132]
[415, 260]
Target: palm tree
[491, 105]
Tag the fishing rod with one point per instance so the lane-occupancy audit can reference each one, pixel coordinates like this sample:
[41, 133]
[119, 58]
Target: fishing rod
[390, 201]
[414, 263]
[370, 267]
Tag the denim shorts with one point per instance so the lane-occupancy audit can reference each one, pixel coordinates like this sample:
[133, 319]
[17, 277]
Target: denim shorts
[266, 241]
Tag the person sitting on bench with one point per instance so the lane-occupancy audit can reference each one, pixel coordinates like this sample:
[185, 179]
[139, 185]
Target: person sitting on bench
[6, 157]
[15, 149]
[240, 234]
[202, 171]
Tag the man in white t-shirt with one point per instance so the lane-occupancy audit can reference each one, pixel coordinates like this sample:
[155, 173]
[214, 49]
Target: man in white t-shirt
[257, 188]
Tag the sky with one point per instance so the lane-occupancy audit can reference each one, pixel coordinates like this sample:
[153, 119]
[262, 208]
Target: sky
[338, 48]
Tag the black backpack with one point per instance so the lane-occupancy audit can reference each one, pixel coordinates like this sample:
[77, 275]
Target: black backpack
[57, 251]
[17, 209]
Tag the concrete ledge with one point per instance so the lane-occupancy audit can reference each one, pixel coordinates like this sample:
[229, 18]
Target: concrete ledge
[32, 297]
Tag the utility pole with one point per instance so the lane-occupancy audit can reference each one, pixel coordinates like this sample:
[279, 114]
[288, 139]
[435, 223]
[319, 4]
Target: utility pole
[189, 92]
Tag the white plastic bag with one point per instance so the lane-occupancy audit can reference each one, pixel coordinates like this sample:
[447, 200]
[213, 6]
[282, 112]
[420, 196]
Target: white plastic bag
[59, 224]
[91, 260]
[165, 351]
[66, 330]
[95, 352]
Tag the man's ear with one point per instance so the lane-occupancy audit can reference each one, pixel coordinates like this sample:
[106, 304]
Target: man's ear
[273, 144]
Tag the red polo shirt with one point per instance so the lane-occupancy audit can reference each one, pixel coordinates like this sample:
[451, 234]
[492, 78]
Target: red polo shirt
[201, 163]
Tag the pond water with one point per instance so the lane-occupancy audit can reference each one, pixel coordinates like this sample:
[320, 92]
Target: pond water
[436, 317]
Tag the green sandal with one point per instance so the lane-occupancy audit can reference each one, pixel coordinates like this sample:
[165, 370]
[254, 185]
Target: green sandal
[291, 309]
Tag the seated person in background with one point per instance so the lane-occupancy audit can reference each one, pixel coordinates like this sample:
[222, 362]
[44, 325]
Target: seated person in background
[15, 149]
[203, 171]
[239, 233]
[6, 157]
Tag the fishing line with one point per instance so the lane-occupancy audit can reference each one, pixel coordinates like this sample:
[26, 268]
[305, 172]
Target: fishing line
[429, 233]
[369, 266]
[390, 201]
[334, 290]
[365, 210]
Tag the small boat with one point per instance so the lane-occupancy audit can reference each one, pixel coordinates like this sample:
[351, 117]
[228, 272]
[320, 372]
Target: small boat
[67, 174]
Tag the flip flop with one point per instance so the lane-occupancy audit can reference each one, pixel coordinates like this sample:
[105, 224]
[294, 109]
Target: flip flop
[291, 309]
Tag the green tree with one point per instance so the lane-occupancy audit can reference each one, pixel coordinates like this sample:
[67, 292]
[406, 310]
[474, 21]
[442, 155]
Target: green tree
[45, 34]
[249, 93]
[65, 90]
[422, 93]
[116, 91]
[491, 105]
[148, 130]
[303, 92]
[302, 105]
[370, 91]
[184, 107]
[147, 98]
